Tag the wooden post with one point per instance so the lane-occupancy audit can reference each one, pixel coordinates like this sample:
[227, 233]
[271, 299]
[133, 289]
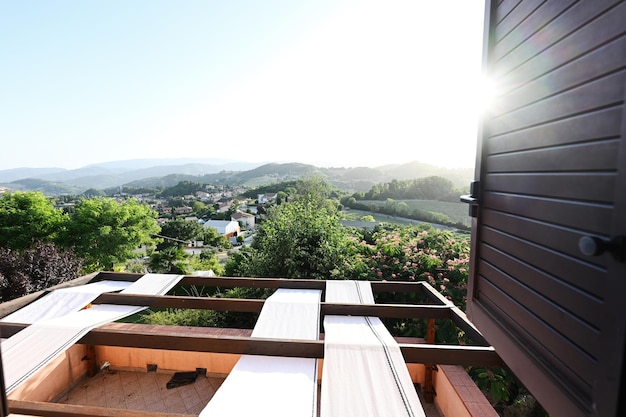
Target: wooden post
[90, 357]
[429, 392]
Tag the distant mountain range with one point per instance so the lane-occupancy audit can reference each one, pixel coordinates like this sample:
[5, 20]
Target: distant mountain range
[169, 172]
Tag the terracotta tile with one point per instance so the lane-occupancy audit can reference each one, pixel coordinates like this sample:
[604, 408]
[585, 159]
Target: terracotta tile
[466, 394]
[197, 409]
[205, 393]
[172, 397]
[148, 384]
[115, 402]
[155, 406]
[488, 410]
[99, 402]
[215, 383]
[191, 401]
[143, 391]
[475, 409]
[174, 407]
[136, 403]
[152, 396]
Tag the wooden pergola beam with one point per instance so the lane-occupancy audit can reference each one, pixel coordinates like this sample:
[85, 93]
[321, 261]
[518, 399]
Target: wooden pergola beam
[182, 339]
[312, 284]
[248, 282]
[183, 302]
[175, 338]
[254, 306]
[45, 409]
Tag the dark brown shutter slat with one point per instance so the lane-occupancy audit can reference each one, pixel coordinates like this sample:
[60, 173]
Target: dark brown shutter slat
[560, 239]
[594, 187]
[505, 8]
[581, 304]
[592, 218]
[590, 156]
[595, 95]
[577, 332]
[526, 88]
[605, 123]
[529, 24]
[564, 25]
[516, 18]
[571, 270]
[563, 356]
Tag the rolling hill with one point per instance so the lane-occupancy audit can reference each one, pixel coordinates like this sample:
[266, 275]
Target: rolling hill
[167, 173]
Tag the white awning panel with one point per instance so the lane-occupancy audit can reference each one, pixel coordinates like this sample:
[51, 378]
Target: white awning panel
[31, 349]
[364, 373]
[275, 386]
[63, 301]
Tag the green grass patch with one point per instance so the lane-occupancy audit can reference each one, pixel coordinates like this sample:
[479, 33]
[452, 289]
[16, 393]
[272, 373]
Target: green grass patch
[457, 212]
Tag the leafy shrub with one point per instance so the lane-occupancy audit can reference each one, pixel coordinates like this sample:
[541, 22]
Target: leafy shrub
[182, 317]
[35, 269]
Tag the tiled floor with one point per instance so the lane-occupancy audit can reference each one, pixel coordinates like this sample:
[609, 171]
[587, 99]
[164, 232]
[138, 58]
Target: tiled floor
[429, 409]
[145, 391]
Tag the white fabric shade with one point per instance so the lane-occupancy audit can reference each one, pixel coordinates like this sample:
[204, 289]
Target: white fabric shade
[63, 301]
[31, 349]
[364, 373]
[274, 386]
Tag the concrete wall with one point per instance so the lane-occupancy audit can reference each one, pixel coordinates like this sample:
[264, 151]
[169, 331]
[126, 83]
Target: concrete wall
[458, 395]
[56, 377]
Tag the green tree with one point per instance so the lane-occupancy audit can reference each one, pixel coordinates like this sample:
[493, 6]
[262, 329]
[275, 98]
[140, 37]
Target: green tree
[206, 260]
[28, 217]
[105, 232]
[182, 188]
[300, 239]
[179, 230]
[391, 206]
[281, 197]
[94, 192]
[171, 260]
[402, 209]
[213, 238]
[198, 207]
[317, 191]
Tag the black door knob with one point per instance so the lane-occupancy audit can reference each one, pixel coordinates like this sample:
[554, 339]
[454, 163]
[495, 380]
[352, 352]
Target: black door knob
[595, 246]
[592, 246]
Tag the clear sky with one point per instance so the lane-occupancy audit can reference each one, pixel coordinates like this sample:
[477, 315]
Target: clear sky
[328, 82]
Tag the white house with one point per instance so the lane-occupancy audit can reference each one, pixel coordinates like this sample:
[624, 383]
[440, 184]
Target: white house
[246, 220]
[224, 207]
[228, 228]
[183, 210]
[266, 198]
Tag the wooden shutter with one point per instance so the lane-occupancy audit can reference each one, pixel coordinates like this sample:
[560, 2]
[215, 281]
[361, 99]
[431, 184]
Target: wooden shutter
[552, 171]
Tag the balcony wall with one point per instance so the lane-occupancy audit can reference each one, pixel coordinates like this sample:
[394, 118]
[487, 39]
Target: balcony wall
[456, 393]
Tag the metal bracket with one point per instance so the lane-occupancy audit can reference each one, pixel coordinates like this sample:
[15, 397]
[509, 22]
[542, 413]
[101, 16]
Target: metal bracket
[472, 198]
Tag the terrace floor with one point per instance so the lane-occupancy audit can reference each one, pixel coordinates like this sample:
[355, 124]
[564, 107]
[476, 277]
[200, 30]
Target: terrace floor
[146, 391]
[142, 391]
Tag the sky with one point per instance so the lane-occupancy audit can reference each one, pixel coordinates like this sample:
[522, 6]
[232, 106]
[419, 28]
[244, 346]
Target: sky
[331, 83]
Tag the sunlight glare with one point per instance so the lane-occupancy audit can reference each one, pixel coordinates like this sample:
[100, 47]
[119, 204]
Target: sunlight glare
[485, 95]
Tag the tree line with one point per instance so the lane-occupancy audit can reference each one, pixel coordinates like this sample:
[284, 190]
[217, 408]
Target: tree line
[427, 188]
